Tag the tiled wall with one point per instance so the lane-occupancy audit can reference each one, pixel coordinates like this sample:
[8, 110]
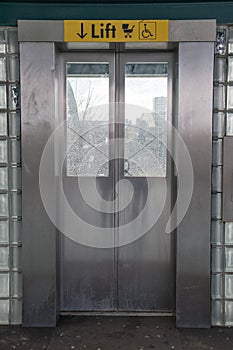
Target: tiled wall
[222, 233]
[10, 180]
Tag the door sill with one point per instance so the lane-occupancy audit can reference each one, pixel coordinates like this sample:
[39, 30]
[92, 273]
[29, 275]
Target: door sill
[117, 313]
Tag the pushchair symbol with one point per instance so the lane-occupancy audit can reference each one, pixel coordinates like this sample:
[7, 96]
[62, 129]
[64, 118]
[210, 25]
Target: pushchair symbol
[128, 31]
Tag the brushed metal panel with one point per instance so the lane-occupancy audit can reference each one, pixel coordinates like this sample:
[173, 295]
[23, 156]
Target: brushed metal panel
[41, 31]
[193, 234]
[179, 30]
[195, 30]
[227, 179]
[39, 236]
[146, 267]
[88, 275]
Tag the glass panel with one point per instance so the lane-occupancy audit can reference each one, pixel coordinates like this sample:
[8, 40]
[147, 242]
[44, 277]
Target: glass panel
[15, 178]
[229, 286]
[3, 124]
[4, 311]
[2, 96]
[220, 69]
[216, 286]
[219, 97]
[229, 128]
[16, 311]
[3, 178]
[216, 232]
[3, 205]
[87, 119]
[230, 97]
[16, 284]
[230, 69]
[229, 313]
[4, 285]
[229, 259]
[217, 313]
[216, 206]
[219, 124]
[217, 264]
[17, 257]
[4, 232]
[16, 204]
[15, 151]
[230, 48]
[149, 45]
[13, 68]
[217, 179]
[4, 258]
[146, 123]
[3, 151]
[87, 46]
[2, 41]
[16, 231]
[217, 152]
[14, 124]
[230, 34]
[229, 232]
[12, 41]
[2, 68]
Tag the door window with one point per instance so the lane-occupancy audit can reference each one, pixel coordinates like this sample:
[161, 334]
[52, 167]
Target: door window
[145, 119]
[145, 86]
[87, 113]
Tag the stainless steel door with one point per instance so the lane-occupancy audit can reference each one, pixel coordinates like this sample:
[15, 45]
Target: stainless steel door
[146, 272]
[87, 273]
[118, 112]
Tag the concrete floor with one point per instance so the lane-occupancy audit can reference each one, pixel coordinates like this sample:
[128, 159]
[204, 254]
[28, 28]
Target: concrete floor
[115, 333]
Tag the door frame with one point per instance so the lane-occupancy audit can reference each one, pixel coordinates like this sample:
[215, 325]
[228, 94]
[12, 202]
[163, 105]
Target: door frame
[117, 60]
[195, 58]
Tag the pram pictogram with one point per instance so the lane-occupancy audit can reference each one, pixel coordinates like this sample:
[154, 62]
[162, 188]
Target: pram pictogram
[128, 31]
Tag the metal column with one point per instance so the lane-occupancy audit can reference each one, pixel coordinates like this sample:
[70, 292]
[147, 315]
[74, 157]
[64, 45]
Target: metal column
[193, 234]
[39, 240]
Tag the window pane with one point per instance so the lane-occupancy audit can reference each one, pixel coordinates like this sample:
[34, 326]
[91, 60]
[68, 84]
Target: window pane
[146, 124]
[87, 119]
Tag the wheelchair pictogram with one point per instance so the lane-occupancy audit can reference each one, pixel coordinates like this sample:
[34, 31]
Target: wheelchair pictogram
[127, 31]
[147, 31]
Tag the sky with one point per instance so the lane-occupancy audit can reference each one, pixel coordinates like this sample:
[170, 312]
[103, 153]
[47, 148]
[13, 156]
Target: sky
[138, 91]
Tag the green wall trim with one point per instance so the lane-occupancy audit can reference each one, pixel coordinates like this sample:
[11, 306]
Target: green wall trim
[10, 12]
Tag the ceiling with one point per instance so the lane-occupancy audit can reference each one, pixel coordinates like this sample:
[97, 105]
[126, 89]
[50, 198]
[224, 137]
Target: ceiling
[111, 1]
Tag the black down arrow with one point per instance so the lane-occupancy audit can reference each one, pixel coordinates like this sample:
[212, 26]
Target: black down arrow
[82, 34]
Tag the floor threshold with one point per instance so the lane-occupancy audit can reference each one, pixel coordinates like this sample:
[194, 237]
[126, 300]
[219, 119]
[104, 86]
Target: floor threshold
[117, 313]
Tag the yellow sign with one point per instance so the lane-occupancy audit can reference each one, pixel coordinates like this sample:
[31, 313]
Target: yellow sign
[116, 30]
